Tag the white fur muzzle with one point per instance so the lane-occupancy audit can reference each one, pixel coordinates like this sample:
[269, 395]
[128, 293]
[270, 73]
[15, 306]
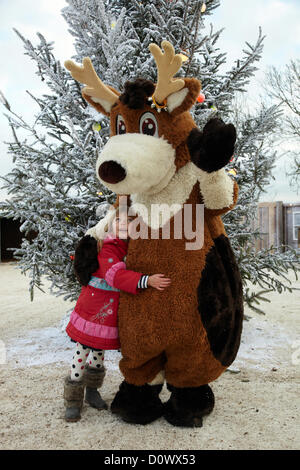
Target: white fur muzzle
[149, 162]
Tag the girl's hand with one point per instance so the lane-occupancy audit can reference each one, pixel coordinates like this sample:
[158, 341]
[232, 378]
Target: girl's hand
[158, 281]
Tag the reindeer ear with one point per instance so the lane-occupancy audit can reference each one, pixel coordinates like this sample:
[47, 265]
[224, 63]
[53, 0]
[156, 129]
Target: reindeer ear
[101, 105]
[182, 100]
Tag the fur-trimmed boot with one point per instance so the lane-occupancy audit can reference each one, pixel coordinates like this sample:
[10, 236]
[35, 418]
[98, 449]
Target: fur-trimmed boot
[187, 406]
[93, 379]
[73, 399]
[138, 404]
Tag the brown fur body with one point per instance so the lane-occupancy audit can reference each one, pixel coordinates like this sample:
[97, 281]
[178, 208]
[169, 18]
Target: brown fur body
[164, 330]
[156, 155]
[192, 329]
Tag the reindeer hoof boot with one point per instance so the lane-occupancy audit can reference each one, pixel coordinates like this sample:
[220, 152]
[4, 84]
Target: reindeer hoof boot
[138, 404]
[187, 406]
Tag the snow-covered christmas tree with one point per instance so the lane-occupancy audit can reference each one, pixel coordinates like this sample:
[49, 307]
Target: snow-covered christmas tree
[53, 184]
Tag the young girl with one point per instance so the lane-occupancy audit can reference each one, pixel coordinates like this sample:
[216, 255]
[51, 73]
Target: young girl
[93, 322]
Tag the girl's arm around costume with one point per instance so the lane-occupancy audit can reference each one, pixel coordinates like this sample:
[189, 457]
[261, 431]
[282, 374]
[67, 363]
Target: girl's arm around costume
[114, 271]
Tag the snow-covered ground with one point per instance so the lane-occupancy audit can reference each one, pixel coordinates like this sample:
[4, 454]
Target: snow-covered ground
[257, 400]
[259, 347]
[48, 345]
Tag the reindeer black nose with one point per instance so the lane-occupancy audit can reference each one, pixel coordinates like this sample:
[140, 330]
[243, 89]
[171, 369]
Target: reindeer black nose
[111, 172]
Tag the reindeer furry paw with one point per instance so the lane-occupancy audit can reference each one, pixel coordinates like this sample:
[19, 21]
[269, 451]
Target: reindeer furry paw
[212, 149]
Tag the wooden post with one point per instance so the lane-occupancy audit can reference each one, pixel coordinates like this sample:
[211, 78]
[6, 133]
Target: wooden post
[279, 224]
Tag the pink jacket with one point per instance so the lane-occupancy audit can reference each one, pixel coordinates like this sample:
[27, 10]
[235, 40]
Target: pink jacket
[93, 321]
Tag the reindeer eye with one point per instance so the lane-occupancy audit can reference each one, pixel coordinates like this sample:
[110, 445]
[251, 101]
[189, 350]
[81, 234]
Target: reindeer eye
[148, 124]
[121, 127]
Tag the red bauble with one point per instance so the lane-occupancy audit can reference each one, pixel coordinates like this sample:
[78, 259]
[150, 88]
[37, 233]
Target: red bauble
[201, 98]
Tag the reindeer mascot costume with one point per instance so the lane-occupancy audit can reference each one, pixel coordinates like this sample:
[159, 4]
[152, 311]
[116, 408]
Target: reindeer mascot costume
[189, 333]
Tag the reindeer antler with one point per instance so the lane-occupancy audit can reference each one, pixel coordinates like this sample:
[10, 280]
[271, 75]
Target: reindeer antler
[167, 65]
[87, 75]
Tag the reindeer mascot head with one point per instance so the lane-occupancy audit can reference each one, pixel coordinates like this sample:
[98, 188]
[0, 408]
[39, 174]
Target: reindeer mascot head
[189, 333]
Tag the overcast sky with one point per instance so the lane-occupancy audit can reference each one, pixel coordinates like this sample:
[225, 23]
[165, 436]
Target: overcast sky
[279, 19]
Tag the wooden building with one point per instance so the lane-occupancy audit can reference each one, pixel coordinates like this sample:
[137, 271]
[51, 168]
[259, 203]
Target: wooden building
[10, 237]
[279, 224]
